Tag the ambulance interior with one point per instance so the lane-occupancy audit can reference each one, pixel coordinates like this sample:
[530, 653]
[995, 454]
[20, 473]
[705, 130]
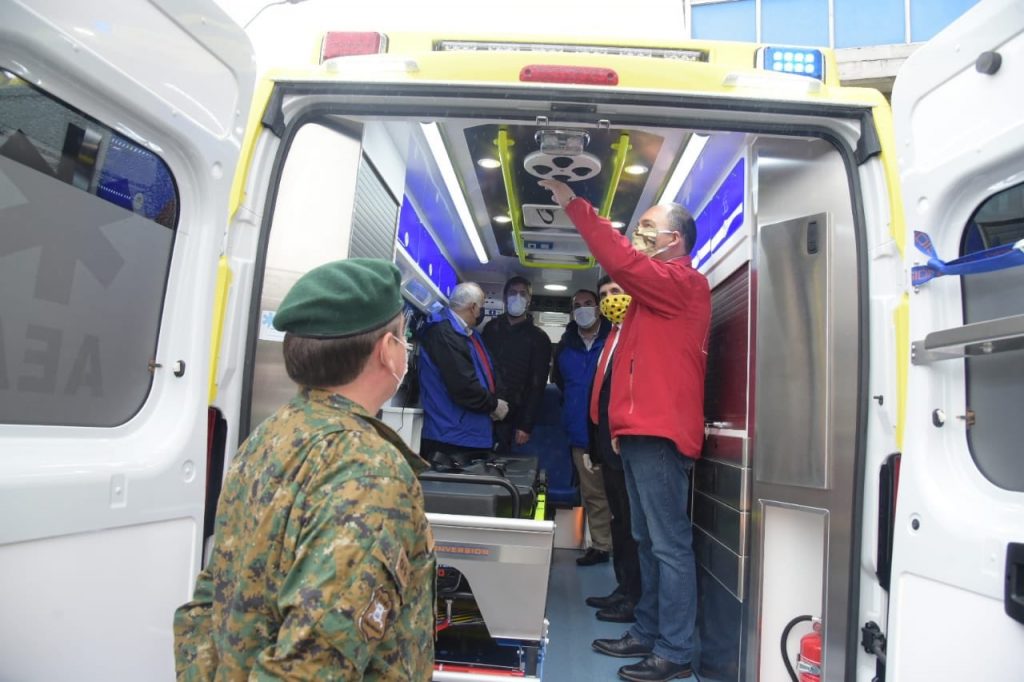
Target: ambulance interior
[453, 197]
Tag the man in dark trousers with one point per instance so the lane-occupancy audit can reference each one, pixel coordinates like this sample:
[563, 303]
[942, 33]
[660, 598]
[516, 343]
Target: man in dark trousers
[617, 607]
[458, 381]
[656, 415]
[522, 354]
[573, 372]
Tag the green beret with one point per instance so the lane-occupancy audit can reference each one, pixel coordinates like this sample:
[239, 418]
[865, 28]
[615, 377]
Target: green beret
[341, 299]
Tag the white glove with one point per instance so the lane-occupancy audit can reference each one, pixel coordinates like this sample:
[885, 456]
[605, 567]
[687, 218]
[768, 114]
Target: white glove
[500, 411]
[587, 463]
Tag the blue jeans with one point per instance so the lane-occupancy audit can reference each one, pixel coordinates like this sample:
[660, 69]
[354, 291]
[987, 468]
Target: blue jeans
[657, 479]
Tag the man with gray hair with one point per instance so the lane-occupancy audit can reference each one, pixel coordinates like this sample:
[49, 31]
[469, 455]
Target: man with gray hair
[458, 382]
[656, 420]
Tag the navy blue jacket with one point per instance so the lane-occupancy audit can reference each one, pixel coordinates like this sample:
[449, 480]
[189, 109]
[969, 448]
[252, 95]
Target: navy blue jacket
[457, 402]
[573, 373]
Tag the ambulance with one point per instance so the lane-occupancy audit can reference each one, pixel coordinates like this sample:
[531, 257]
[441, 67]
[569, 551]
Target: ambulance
[862, 469]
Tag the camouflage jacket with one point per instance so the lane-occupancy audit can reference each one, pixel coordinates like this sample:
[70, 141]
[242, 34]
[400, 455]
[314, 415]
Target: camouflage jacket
[323, 562]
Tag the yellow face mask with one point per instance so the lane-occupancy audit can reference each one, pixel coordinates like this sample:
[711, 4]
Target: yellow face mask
[614, 306]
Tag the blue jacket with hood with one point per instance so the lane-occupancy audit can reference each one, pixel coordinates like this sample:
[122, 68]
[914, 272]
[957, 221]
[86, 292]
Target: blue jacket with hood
[573, 373]
[457, 402]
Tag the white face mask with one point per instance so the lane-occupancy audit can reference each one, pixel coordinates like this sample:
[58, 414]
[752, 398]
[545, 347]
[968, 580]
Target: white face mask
[516, 305]
[405, 366]
[585, 316]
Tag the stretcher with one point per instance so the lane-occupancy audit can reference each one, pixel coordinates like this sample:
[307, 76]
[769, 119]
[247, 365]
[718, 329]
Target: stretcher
[493, 566]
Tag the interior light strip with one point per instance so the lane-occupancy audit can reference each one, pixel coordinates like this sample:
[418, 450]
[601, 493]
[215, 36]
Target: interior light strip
[687, 161]
[451, 181]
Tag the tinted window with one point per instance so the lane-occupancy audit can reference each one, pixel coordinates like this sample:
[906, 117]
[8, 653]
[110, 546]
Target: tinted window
[87, 222]
[995, 383]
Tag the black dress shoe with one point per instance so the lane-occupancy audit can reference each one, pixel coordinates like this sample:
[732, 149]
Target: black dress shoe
[622, 612]
[654, 668]
[605, 602]
[625, 647]
[592, 556]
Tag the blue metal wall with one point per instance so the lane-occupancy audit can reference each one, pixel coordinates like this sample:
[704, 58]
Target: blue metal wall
[856, 23]
[860, 23]
[725, 21]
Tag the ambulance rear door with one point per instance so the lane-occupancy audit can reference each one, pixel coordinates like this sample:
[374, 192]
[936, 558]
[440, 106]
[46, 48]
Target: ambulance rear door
[957, 591]
[120, 129]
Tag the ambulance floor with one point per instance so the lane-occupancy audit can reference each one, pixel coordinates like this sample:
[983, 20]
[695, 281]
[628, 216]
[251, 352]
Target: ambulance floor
[573, 625]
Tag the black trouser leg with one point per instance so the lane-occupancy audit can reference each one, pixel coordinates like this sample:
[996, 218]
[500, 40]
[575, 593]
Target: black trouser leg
[625, 557]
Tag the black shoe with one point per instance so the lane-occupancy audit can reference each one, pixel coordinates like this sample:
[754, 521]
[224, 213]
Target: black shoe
[606, 602]
[654, 668]
[621, 612]
[592, 556]
[625, 647]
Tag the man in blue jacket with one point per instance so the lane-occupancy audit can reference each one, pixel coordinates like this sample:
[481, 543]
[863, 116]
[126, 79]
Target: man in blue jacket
[458, 382]
[575, 363]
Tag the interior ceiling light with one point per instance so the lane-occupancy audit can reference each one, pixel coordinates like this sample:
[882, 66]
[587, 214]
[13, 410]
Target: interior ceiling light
[451, 181]
[635, 169]
[555, 287]
[489, 163]
[618, 224]
[682, 170]
[502, 219]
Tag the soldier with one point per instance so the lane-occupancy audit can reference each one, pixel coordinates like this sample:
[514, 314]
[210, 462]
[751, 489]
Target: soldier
[323, 563]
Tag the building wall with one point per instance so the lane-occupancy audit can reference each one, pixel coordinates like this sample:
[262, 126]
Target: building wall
[872, 37]
[826, 23]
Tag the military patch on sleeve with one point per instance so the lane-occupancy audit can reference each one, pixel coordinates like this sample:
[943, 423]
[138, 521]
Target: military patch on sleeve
[374, 618]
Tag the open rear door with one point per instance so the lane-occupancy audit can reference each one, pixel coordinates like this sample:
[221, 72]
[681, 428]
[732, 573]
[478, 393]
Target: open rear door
[120, 128]
[957, 600]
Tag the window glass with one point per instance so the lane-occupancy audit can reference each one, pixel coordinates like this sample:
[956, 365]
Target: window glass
[995, 383]
[87, 221]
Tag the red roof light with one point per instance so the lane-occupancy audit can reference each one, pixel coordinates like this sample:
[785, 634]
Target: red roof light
[350, 43]
[578, 75]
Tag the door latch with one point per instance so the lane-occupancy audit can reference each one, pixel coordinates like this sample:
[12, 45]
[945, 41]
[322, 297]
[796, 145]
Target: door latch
[1013, 600]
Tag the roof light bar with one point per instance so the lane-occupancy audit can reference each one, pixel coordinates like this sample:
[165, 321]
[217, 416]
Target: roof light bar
[687, 161]
[451, 181]
[685, 55]
[801, 61]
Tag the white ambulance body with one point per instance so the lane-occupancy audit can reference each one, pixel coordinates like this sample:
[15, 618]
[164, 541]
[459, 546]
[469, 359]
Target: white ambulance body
[156, 202]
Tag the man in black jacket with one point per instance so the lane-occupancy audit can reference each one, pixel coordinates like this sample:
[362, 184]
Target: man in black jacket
[522, 354]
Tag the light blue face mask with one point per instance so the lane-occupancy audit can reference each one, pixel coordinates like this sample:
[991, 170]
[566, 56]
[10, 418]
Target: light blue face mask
[516, 305]
[585, 316]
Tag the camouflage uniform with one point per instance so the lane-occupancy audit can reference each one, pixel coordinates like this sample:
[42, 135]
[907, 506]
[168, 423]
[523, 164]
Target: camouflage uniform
[323, 563]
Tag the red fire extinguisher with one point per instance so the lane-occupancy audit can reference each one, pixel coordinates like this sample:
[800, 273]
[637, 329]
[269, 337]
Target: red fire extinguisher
[808, 663]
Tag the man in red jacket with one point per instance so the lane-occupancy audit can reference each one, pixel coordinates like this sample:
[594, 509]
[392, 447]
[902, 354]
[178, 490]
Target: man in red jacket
[656, 415]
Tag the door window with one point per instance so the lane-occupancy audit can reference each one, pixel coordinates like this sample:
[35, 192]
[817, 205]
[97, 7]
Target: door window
[995, 383]
[87, 220]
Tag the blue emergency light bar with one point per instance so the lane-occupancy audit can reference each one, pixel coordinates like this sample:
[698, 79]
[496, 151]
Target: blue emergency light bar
[801, 61]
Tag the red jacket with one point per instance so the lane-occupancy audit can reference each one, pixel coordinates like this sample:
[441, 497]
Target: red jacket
[658, 373]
